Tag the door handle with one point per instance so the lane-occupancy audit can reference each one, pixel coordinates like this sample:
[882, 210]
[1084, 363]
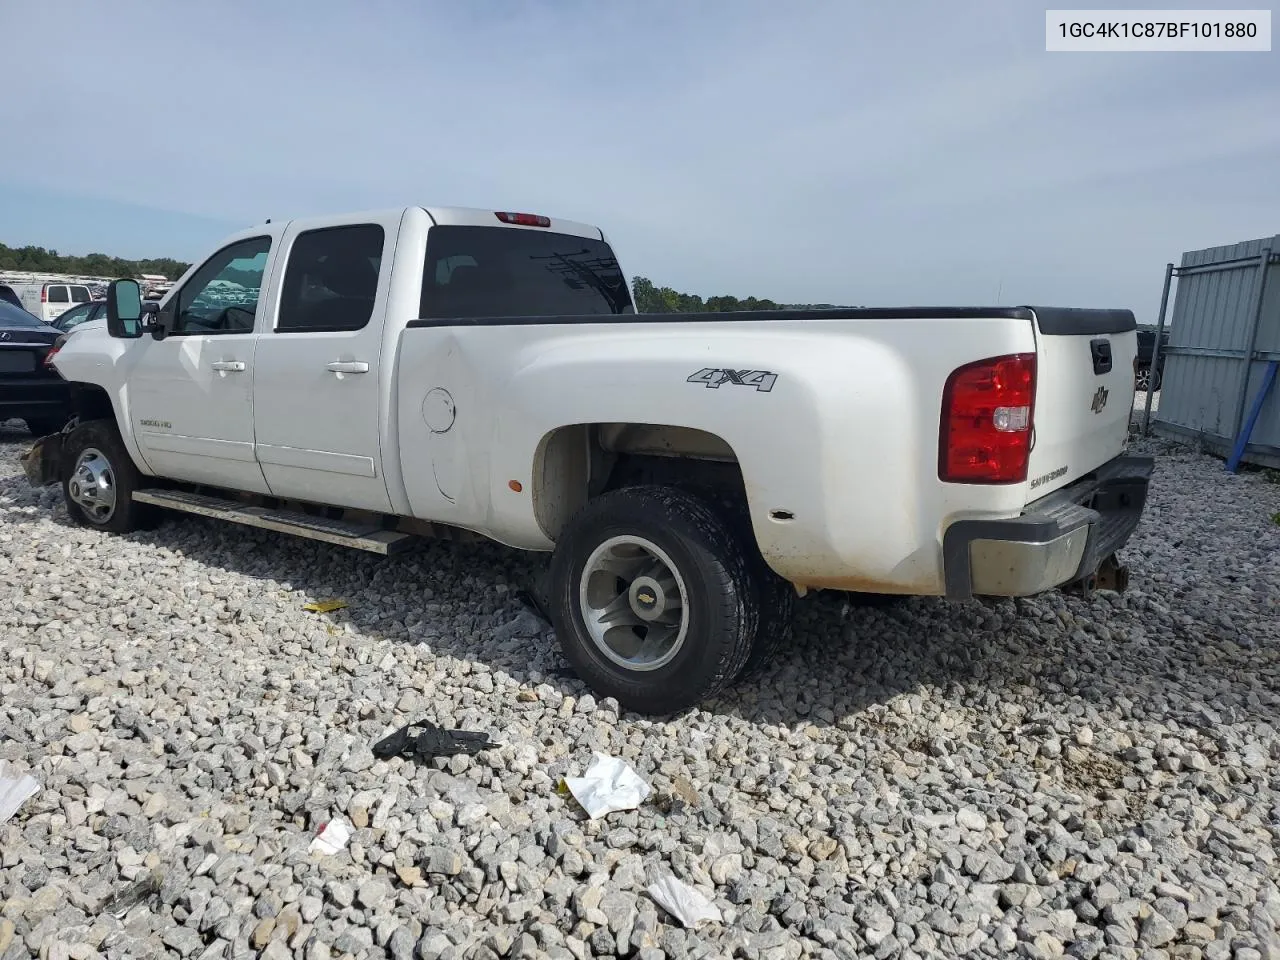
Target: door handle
[236, 365]
[347, 366]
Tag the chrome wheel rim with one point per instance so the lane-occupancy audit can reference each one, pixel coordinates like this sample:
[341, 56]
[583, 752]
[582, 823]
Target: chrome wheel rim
[92, 486]
[1144, 380]
[634, 603]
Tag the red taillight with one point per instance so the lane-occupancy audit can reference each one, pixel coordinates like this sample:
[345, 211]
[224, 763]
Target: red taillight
[44, 295]
[53, 351]
[986, 421]
[524, 219]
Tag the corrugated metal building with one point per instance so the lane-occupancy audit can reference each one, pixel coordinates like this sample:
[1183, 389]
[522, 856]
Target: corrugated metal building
[1224, 333]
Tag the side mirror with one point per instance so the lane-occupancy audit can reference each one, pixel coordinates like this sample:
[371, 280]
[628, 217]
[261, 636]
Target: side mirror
[124, 309]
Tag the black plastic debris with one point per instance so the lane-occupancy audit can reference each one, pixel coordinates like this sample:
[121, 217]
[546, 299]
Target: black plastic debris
[433, 741]
[139, 892]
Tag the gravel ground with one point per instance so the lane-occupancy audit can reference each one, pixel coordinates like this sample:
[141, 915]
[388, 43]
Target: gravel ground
[1097, 778]
[1140, 401]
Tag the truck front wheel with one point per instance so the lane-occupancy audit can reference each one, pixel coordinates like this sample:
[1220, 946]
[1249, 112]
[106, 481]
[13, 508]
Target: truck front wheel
[652, 599]
[98, 480]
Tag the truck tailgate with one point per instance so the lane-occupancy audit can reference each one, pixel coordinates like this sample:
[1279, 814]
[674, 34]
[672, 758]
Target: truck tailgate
[1084, 393]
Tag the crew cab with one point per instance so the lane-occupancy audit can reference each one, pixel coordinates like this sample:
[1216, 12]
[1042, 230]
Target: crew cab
[369, 378]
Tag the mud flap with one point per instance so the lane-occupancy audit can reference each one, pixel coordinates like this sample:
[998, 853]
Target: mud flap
[43, 462]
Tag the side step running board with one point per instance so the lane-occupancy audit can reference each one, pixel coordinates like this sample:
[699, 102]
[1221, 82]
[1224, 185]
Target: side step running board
[361, 536]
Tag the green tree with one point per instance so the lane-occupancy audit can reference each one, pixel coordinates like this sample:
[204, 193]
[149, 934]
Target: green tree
[650, 298]
[39, 260]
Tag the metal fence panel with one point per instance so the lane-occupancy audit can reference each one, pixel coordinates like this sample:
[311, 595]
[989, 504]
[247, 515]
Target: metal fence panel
[1217, 320]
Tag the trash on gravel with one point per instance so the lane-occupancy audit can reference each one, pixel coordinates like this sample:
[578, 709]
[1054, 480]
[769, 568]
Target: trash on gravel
[609, 785]
[15, 790]
[332, 838]
[139, 892]
[683, 902]
[433, 741]
[325, 606]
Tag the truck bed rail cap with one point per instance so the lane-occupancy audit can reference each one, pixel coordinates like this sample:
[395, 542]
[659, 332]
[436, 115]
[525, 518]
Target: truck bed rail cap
[745, 316]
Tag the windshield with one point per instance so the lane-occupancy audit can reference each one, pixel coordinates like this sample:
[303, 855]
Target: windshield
[500, 272]
[11, 316]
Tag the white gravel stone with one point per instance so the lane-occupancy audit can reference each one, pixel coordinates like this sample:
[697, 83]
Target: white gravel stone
[1061, 775]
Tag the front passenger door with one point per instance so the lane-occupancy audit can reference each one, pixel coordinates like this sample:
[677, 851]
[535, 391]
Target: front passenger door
[191, 393]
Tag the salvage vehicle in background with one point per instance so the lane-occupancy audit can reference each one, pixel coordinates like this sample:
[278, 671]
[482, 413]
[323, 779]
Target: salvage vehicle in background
[49, 299]
[1148, 376]
[366, 379]
[30, 389]
[82, 313]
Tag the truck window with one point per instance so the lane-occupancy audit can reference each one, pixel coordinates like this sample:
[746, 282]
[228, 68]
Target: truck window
[505, 272]
[331, 280]
[222, 296]
[57, 294]
[80, 294]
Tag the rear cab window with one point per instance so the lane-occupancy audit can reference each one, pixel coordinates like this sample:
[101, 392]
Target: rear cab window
[517, 272]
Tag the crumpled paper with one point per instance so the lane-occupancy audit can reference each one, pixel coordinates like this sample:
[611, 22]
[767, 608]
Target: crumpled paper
[14, 790]
[683, 902]
[610, 784]
[331, 839]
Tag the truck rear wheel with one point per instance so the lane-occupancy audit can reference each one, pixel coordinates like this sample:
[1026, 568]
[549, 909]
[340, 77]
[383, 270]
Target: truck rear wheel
[98, 480]
[653, 599]
[776, 597]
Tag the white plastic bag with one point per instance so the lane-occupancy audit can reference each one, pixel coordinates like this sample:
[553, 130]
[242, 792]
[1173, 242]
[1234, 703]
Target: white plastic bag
[332, 838]
[608, 785]
[14, 790]
[683, 902]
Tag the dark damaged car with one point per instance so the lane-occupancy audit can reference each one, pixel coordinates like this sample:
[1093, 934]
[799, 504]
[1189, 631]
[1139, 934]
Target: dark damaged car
[30, 388]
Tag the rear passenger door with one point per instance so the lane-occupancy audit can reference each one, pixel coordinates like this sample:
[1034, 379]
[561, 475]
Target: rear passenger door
[316, 394]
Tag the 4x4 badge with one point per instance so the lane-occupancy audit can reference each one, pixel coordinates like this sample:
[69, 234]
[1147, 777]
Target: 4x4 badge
[1099, 399]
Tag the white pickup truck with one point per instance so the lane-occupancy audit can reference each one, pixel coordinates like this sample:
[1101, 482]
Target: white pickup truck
[366, 379]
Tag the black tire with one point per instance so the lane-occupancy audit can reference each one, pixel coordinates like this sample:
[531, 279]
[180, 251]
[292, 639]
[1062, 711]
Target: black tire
[1156, 380]
[112, 463]
[776, 597]
[720, 600]
[43, 426]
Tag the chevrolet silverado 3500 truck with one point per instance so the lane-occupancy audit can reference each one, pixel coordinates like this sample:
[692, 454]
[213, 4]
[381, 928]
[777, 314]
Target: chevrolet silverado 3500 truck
[370, 378]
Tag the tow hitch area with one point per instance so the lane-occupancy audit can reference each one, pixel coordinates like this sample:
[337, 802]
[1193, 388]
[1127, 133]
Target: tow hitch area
[1110, 575]
[42, 463]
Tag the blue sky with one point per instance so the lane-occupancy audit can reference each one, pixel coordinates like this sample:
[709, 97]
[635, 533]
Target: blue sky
[850, 152]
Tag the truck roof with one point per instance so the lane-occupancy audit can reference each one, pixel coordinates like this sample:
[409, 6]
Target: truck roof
[448, 216]
[478, 217]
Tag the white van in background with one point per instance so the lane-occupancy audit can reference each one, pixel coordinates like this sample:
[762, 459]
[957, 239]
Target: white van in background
[48, 300]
